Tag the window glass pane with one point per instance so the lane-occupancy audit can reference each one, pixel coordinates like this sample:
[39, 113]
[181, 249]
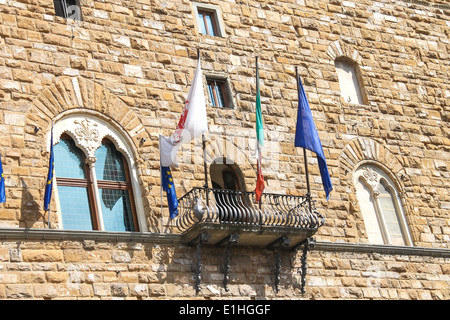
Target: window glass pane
[366, 204]
[73, 10]
[109, 164]
[229, 180]
[211, 93]
[67, 9]
[209, 21]
[219, 93]
[75, 210]
[390, 215]
[216, 93]
[68, 160]
[202, 23]
[58, 8]
[116, 210]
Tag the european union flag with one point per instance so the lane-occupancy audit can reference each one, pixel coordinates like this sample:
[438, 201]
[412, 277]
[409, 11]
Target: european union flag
[306, 136]
[2, 183]
[169, 188]
[51, 171]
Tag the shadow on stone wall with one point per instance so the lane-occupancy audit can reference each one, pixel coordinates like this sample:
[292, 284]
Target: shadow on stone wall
[30, 213]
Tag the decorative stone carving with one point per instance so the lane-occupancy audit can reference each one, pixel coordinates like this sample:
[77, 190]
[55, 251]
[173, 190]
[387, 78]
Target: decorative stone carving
[372, 178]
[88, 133]
[87, 136]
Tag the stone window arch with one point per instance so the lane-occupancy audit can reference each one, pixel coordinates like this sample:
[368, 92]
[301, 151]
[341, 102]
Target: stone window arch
[381, 206]
[226, 175]
[95, 176]
[347, 62]
[360, 151]
[350, 82]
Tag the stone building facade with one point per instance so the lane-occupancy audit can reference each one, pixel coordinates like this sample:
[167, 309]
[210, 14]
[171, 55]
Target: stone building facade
[125, 68]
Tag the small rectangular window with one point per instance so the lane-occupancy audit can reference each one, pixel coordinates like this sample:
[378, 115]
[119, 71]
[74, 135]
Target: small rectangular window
[208, 18]
[218, 93]
[208, 23]
[69, 9]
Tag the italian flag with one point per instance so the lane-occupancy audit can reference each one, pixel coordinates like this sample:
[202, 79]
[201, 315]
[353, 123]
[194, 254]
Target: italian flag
[260, 138]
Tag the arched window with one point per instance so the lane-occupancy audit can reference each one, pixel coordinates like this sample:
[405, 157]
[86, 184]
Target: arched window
[94, 185]
[226, 176]
[74, 186]
[381, 207]
[80, 209]
[229, 189]
[350, 81]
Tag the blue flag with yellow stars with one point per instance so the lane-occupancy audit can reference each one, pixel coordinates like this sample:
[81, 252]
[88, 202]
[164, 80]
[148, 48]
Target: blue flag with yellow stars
[306, 136]
[2, 183]
[51, 171]
[169, 188]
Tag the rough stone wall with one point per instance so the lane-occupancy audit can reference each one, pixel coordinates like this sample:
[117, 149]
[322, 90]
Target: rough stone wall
[90, 269]
[134, 61]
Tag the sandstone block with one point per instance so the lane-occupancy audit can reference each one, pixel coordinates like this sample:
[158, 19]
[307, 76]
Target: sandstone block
[42, 256]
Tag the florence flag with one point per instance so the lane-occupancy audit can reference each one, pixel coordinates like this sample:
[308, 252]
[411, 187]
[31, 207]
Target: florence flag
[192, 123]
[259, 137]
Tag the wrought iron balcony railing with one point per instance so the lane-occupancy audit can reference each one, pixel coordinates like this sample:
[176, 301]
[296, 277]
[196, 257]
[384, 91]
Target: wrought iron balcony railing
[227, 218]
[240, 208]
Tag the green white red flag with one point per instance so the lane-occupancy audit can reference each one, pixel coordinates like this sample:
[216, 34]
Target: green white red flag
[260, 139]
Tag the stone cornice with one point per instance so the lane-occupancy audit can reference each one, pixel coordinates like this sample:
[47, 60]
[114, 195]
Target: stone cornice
[429, 4]
[381, 249]
[176, 239]
[74, 235]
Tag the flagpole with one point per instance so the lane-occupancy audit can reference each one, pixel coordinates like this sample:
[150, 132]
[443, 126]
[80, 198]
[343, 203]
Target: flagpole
[308, 194]
[205, 167]
[161, 177]
[257, 88]
[49, 203]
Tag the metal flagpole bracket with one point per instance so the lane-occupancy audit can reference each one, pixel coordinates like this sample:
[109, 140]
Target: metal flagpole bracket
[307, 244]
[197, 242]
[278, 245]
[205, 169]
[230, 240]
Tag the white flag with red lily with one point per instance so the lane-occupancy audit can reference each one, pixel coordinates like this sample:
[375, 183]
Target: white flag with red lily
[192, 123]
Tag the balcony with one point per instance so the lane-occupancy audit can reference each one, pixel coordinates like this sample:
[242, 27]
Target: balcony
[227, 217]
[223, 212]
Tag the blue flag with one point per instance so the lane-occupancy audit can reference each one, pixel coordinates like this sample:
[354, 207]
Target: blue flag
[306, 136]
[51, 171]
[169, 188]
[2, 183]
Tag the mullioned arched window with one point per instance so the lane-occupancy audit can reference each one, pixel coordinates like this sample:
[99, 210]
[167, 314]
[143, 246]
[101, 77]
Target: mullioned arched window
[95, 177]
[381, 207]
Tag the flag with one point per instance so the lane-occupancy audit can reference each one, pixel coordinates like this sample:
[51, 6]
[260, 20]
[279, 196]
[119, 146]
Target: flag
[51, 171]
[259, 137]
[306, 136]
[192, 123]
[169, 188]
[168, 151]
[2, 183]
